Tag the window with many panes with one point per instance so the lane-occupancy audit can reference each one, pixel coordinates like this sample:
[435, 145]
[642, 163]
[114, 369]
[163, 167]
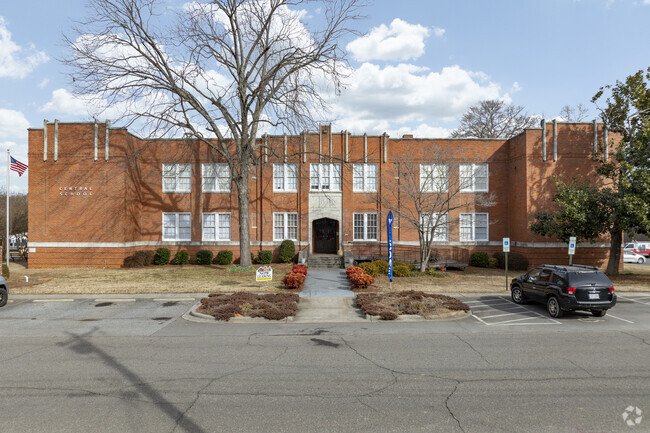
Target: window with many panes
[439, 223]
[216, 178]
[177, 177]
[216, 226]
[325, 177]
[434, 177]
[285, 177]
[285, 226]
[364, 177]
[474, 227]
[365, 227]
[177, 226]
[473, 177]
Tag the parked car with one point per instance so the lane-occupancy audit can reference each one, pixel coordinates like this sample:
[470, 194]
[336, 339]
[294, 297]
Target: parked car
[642, 248]
[4, 291]
[630, 257]
[565, 288]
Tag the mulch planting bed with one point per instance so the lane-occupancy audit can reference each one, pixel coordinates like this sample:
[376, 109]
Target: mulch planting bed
[389, 306]
[273, 306]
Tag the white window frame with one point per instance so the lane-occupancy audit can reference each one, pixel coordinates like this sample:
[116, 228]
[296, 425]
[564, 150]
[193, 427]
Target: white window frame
[175, 171]
[218, 175]
[468, 221]
[365, 226]
[176, 226]
[471, 174]
[326, 180]
[217, 226]
[441, 232]
[361, 179]
[434, 177]
[286, 175]
[285, 225]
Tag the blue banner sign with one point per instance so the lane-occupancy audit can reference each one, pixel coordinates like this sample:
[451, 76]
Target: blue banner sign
[389, 228]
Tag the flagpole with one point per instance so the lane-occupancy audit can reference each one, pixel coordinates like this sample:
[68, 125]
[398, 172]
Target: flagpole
[7, 239]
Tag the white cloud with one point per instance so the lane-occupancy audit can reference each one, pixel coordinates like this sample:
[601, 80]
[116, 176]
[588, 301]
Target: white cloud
[438, 32]
[43, 83]
[13, 125]
[13, 62]
[65, 103]
[399, 42]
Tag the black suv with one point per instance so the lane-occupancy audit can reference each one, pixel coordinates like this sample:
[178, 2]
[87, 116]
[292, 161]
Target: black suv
[565, 288]
[4, 291]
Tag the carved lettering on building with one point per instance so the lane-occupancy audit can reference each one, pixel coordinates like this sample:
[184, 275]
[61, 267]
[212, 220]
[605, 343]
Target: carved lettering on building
[75, 191]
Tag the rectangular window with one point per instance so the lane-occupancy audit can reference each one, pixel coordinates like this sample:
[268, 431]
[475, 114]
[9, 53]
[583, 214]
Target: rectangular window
[177, 177]
[216, 178]
[364, 177]
[285, 226]
[177, 226]
[365, 227]
[473, 177]
[325, 177]
[434, 177]
[285, 177]
[439, 223]
[474, 227]
[216, 226]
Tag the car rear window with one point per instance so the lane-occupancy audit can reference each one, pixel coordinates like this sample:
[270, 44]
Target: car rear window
[581, 278]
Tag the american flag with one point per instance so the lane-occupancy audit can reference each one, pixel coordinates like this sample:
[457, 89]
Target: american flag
[18, 166]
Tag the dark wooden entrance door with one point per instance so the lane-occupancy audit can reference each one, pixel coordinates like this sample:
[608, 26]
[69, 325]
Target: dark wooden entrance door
[325, 233]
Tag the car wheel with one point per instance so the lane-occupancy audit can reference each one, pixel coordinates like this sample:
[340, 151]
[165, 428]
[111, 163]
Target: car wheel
[517, 295]
[640, 261]
[553, 307]
[598, 313]
[3, 296]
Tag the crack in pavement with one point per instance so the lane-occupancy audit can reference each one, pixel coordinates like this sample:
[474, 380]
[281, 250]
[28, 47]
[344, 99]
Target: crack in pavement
[473, 348]
[451, 413]
[581, 368]
[643, 340]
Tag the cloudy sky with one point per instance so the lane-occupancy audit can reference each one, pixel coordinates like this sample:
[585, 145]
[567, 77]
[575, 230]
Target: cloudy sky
[418, 67]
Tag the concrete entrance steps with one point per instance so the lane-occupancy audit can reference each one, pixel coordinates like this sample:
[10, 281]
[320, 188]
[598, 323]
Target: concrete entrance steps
[325, 261]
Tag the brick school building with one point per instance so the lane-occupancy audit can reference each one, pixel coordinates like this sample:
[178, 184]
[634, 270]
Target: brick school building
[98, 194]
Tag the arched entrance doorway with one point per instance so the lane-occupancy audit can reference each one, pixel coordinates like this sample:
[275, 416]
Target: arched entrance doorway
[325, 236]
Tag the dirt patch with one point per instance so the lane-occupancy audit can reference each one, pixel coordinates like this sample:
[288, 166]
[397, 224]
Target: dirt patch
[276, 306]
[389, 306]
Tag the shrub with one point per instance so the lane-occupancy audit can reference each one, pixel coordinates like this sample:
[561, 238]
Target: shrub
[162, 256]
[516, 261]
[264, 257]
[146, 256]
[204, 257]
[480, 259]
[5, 271]
[287, 251]
[410, 266]
[294, 280]
[132, 261]
[358, 277]
[302, 269]
[224, 257]
[182, 257]
[401, 270]
[382, 266]
[370, 267]
[492, 262]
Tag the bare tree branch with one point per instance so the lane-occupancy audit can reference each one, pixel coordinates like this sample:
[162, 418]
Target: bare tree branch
[493, 119]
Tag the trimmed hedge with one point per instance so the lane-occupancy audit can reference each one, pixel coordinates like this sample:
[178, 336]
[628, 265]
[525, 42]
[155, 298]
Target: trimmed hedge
[162, 256]
[480, 259]
[204, 257]
[516, 261]
[370, 267]
[287, 251]
[224, 257]
[182, 257]
[294, 280]
[264, 257]
[358, 277]
[401, 270]
[382, 266]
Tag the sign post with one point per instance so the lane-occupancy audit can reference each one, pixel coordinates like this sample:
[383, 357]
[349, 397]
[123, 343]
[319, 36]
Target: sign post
[389, 228]
[506, 250]
[572, 249]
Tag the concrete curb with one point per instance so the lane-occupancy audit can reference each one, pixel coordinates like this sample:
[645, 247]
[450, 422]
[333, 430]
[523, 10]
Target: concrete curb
[446, 317]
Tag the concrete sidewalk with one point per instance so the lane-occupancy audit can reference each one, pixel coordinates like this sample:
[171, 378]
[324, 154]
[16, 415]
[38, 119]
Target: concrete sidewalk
[326, 297]
[326, 283]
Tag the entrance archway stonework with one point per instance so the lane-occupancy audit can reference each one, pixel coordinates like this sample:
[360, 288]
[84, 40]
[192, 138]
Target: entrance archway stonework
[325, 205]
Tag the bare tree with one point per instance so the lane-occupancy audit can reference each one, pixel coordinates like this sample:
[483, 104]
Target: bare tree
[216, 72]
[574, 114]
[17, 214]
[493, 119]
[428, 191]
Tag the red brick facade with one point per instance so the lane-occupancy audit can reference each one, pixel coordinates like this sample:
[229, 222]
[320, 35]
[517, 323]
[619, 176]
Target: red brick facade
[93, 202]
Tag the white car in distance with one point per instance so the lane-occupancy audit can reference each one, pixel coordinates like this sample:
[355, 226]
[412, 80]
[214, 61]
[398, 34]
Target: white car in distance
[630, 257]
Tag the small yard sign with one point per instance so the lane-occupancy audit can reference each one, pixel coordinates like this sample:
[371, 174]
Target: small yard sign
[264, 273]
[506, 245]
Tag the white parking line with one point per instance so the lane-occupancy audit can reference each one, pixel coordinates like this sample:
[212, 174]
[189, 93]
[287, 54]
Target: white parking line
[634, 300]
[115, 300]
[624, 320]
[505, 307]
[173, 300]
[499, 315]
[52, 300]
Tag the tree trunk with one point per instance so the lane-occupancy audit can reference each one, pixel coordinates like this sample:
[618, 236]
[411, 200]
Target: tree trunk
[616, 237]
[243, 201]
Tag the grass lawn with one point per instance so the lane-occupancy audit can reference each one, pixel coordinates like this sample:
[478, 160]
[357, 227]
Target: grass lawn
[217, 279]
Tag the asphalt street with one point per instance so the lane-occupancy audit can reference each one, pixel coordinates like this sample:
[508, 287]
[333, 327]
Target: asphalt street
[118, 364]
